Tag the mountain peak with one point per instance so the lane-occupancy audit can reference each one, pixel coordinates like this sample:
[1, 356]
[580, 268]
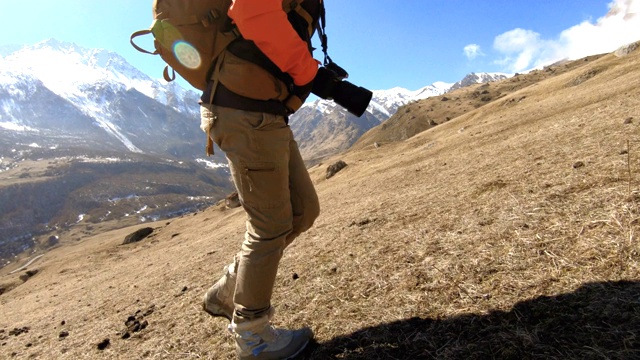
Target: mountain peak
[95, 58]
[479, 78]
[56, 45]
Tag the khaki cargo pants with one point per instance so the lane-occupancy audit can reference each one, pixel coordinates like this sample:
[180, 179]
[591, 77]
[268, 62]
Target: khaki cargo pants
[276, 193]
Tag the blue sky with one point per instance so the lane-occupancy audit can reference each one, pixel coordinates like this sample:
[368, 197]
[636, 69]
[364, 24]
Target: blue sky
[382, 43]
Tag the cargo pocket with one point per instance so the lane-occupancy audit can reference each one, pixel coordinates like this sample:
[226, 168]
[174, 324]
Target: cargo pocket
[270, 137]
[265, 185]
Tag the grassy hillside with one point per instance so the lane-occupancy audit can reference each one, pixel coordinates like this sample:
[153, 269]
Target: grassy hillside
[417, 117]
[508, 232]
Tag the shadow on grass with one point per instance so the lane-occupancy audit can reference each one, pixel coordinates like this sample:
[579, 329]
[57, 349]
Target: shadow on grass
[597, 321]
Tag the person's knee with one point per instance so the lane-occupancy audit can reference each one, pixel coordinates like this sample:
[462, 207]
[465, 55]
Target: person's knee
[311, 213]
[314, 211]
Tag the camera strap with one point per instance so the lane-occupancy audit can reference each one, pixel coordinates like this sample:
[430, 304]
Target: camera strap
[322, 21]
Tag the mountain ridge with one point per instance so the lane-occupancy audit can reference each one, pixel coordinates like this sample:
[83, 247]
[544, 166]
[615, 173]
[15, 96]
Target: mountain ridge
[323, 128]
[90, 78]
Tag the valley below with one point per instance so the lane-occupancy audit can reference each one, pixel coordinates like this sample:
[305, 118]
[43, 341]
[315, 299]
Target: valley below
[43, 199]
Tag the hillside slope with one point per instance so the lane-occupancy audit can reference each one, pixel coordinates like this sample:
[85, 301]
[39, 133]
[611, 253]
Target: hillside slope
[464, 97]
[509, 232]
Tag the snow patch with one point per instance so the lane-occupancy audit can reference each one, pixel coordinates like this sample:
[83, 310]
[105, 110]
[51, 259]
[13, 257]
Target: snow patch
[15, 127]
[100, 160]
[212, 165]
[375, 106]
[199, 198]
[128, 197]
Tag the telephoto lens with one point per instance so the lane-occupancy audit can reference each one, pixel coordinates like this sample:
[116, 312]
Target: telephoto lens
[352, 97]
[329, 86]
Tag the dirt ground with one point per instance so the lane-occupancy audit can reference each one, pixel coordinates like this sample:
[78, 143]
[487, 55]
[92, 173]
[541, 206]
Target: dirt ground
[510, 232]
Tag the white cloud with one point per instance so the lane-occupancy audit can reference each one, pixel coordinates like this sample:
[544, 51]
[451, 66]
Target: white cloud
[525, 49]
[520, 47]
[472, 51]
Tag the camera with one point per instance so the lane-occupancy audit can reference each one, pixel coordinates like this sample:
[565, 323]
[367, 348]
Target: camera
[329, 84]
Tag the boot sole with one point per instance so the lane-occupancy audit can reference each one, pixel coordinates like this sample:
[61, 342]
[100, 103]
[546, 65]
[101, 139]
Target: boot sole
[290, 357]
[303, 348]
[215, 312]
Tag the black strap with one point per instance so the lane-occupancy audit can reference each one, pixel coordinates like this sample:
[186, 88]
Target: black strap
[323, 34]
[227, 98]
[247, 50]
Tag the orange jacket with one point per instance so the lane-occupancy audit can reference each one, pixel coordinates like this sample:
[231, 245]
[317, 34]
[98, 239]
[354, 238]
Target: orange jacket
[266, 24]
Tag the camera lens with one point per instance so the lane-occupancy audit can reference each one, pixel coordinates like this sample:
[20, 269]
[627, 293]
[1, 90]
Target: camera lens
[353, 98]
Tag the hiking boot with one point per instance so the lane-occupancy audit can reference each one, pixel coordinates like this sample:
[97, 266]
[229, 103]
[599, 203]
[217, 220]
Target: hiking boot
[218, 301]
[259, 340]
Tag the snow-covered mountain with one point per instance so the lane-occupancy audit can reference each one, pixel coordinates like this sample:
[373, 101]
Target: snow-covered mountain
[323, 128]
[479, 78]
[387, 102]
[67, 70]
[95, 96]
[82, 127]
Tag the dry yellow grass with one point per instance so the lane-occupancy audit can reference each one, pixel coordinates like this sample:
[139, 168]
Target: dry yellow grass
[510, 232]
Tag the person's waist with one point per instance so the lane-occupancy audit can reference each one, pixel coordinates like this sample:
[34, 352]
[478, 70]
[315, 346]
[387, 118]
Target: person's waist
[227, 98]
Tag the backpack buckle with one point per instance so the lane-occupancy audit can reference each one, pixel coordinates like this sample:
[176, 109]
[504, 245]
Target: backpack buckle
[211, 17]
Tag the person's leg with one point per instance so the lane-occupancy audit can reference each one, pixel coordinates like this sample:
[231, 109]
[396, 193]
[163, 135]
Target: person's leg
[304, 200]
[258, 149]
[257, 146]
[218, 300]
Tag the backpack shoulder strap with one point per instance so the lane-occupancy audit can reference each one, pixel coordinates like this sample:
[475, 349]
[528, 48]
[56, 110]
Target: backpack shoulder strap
[296, 5]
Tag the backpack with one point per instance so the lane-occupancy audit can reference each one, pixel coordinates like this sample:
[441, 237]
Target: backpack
[189, 35]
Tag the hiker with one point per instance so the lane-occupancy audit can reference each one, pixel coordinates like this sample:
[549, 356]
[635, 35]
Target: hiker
[262, 71]
[250, 124]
